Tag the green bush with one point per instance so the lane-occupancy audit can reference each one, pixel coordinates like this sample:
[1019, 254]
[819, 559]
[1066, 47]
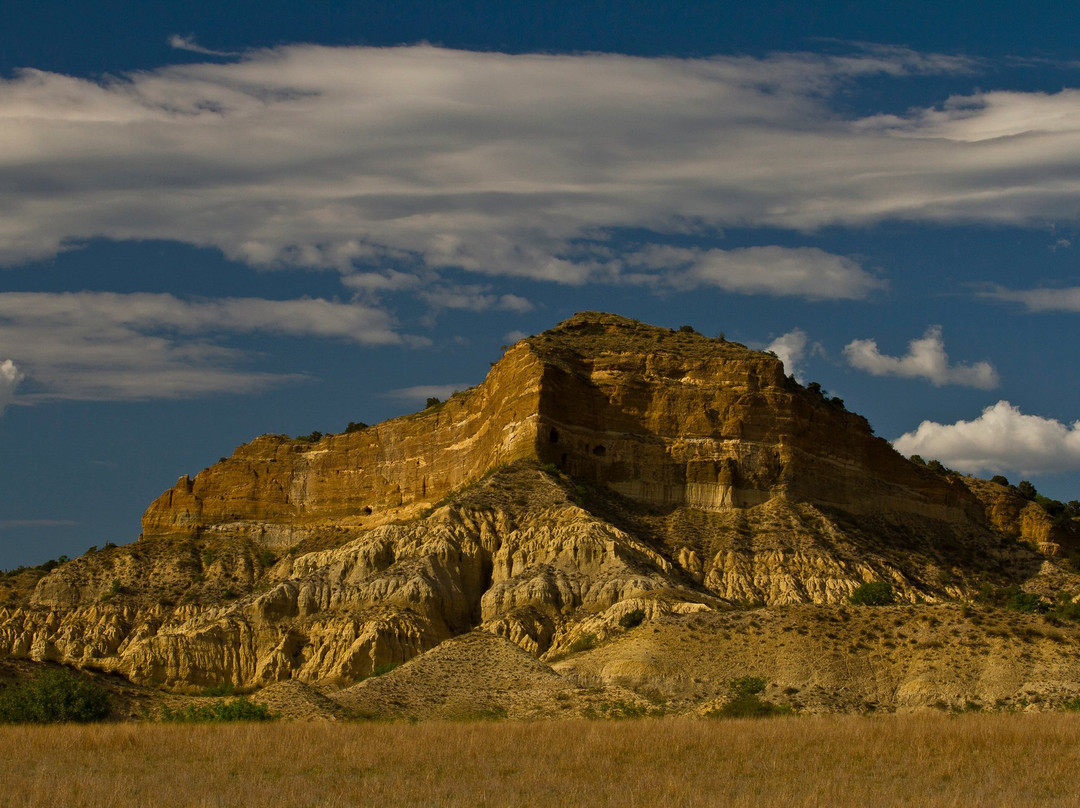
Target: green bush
[239, 709]
[874, 593]
[1017, 600]
[52, 697]
[385, 668]
[747, 686]
[583, 643]
[632, 619]
[747, 703]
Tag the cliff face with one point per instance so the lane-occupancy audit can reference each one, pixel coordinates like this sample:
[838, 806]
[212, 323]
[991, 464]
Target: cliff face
[279, 491]
[674, 418]
[603, 468]
[665, 418]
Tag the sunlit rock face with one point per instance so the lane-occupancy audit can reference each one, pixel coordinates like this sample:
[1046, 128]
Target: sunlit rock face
[664, 417]
[604, 467]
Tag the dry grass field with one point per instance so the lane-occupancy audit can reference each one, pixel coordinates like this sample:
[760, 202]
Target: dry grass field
[924, 760]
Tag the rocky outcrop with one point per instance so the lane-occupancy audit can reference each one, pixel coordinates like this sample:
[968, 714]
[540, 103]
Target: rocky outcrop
[603, 468]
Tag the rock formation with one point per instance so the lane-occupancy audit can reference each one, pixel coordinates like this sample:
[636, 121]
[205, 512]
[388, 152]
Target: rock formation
[604, 470]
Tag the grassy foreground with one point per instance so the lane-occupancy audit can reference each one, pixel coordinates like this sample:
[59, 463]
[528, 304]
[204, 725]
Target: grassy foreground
[970, 760]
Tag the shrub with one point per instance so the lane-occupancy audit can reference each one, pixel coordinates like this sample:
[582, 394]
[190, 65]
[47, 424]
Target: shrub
[267, 557]
[746, 701]
[355, 426]
[52, 697]
[433, 401]
[632, 619]
[1066, 608]
[583, 643]
[1026, 489]
[747, 686]
[1000, 479]
[1017, 600]
[873, 593]
[239, 709]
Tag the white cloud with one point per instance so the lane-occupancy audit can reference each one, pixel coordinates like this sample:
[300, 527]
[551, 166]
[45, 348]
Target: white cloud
[106, 346]
[925, 359]
[473, 298]
[10, 376]
[422, 392]
[1038, 300]
[790, 348]
[1000, 440]
[516, 165]
[804, 271]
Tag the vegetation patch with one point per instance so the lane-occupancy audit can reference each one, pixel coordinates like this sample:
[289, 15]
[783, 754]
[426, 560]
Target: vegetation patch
[746, 701]
[873, 593]
[583, 643]
[240, 708]
[54, 696]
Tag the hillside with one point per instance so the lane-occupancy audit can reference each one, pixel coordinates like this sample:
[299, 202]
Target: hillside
[646, 512]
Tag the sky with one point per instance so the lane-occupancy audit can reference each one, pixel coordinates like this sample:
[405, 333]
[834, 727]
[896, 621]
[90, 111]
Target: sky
[219, 220]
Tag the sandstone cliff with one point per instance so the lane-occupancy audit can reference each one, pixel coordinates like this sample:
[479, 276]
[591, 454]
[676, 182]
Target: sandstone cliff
[604, 469]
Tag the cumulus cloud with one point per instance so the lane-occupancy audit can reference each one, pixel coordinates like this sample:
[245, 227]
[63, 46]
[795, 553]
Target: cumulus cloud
[421, 159]
[791, 349]
[106, 346]
[925, 359]
[422, 392]
[1000, 440]
[10, 376]
[1038, 300]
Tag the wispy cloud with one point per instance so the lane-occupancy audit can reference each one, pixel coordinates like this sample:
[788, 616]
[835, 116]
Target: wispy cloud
[10, 376]
[105, 346]
[1037, 300]
[473, 298]
[188, 43]
[803, 271]
[422, 392]
[412, 160]
[1000, 440]
[925, 359]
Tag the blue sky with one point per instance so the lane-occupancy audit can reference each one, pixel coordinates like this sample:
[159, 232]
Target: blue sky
[220, 220]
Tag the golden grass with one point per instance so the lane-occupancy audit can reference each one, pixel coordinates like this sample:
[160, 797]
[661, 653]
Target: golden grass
[928, 760]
